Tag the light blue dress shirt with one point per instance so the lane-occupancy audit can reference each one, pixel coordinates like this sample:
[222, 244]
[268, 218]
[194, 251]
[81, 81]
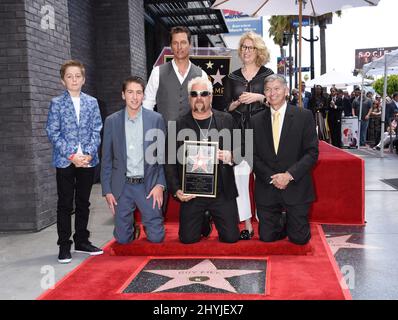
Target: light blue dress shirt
[134, 144]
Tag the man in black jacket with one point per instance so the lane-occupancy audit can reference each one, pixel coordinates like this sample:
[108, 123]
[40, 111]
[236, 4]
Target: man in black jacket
[391, 108]
[204, 124]
[285, 151]
[335, 109]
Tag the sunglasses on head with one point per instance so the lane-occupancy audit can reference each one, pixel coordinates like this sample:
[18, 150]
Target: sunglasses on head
[195, 94]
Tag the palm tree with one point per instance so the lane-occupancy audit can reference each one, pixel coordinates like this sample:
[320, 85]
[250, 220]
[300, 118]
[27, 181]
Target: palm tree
[282, 30]
[322, 21]
[279, 27]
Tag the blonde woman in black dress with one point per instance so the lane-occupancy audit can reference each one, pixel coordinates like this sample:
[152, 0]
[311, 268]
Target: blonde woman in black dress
[244, 96]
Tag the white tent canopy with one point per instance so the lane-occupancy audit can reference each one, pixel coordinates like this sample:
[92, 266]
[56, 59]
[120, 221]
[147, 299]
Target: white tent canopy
[389, 61]
[334, 78]
[380, 71]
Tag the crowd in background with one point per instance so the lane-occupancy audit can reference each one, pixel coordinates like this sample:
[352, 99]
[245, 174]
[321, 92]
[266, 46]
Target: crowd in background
[330, 107]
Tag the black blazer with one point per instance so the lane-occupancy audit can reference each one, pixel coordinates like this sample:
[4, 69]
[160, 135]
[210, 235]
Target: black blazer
[334, 115]
[297, 153]
[174, 172]
[235, 84]
[390, 108]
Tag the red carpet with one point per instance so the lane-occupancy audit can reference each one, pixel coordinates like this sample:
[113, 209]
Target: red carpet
[313, 276]
[209, 247]
[339, 182]
[293, 272]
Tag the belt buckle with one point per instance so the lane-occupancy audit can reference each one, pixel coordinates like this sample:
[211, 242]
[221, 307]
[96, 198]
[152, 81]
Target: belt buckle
[134, 180]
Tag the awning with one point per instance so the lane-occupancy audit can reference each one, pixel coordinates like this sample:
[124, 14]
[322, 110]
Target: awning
[197, 16]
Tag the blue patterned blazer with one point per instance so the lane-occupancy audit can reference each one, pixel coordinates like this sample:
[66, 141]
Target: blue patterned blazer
[65, 133]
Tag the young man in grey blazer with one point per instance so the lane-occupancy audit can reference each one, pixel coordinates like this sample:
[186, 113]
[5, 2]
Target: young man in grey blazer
[132, 173]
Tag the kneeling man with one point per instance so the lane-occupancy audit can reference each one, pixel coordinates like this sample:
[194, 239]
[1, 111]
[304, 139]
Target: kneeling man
[285, 151]
[205, 124]
[131, 175]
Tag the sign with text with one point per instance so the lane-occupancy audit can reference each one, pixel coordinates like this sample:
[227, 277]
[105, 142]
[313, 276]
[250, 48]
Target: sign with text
[364, 56]
[284, 65]
[349, 132]
[237, 27]
[305, 23]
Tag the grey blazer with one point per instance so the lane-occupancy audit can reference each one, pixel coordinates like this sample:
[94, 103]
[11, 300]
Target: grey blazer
[114, 154]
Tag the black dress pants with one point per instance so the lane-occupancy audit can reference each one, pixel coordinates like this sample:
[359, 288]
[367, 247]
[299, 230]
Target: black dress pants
[273, 225]
[335, 132]
[223, 211]
[73, 185]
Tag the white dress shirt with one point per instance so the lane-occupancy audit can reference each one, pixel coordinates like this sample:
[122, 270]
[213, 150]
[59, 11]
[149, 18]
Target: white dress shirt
[76, 104]
[153, 84]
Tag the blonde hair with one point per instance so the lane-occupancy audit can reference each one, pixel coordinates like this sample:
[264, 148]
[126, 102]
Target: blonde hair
[263, 55]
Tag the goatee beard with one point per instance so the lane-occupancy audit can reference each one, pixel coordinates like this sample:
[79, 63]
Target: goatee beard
[199, 110]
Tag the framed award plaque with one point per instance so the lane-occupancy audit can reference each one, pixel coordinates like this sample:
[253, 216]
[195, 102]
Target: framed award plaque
[200, 168]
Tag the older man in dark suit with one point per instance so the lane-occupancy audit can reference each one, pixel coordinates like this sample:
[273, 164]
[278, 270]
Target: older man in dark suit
[285, 150]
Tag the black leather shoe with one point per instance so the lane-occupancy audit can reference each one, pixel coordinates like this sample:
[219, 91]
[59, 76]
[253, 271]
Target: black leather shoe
[246, 235]
[282, 222]
[88, 248]
[137, 231]
[207, 226]
[64, 255]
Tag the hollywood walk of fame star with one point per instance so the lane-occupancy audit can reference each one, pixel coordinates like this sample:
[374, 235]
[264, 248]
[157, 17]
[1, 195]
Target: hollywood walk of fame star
[340, 242]
[209, 65]
[217, 77]
[203, 273]
[200, 162]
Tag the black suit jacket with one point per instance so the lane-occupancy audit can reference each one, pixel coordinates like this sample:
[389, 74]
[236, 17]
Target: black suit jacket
[174, 172]
[390, 108]
[297, 153]
[334, 115]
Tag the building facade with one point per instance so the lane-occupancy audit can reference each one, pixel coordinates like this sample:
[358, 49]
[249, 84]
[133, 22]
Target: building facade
[113, 39]
[36, 37]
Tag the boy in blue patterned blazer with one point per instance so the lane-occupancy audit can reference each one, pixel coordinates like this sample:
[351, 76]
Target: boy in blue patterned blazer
[73, 127]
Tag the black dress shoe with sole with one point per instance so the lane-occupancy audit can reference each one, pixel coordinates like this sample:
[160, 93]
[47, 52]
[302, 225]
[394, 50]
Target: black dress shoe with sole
[207, 226]
[88, 248]
[246, 235]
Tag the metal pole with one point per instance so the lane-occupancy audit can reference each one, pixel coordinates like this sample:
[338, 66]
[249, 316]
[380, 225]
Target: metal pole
[312, 49]
[295, 58]
[290, 64]
[360, 111]
[300, 34]
[383, 108]
[311, 40]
